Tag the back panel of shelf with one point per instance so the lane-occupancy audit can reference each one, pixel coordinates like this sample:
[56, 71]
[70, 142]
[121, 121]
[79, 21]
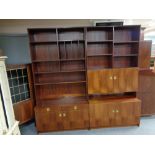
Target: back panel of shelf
[99, 47]
[65, 34]
[72, 50]
[99, 34]
[126, 33]
[42, 35]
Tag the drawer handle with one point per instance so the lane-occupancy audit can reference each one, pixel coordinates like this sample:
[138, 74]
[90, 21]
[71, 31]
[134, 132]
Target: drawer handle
[60, 115]
[113, 111]
[75, 107]
[115, 77]
[64, 115]
[47, 109]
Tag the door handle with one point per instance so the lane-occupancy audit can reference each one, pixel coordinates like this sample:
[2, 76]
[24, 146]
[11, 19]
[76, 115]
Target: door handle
[117, 111]
[64, 115]
[115, 77]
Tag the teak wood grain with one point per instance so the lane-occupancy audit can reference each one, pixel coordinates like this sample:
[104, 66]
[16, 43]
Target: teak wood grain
[108, 113]
[106, 56]
[110, 81]
[69, 118]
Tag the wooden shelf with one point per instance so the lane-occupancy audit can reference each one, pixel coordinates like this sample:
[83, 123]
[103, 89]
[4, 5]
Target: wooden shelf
[126, 42]
[70, 41]
[43, 42]
[127, 55]
[63, 100]
[72, 59]
[71, 71]
[80, 59]
[96, 55]
[50, 83]
[100, 41]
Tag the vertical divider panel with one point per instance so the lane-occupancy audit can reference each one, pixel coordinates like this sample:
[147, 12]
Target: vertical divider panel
[113, 33]
[33, 74]
[58, 48]
[85, 54]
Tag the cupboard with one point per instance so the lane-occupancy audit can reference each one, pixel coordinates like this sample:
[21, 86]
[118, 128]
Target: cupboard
[114, 112]
[113, 81]
[71, 66]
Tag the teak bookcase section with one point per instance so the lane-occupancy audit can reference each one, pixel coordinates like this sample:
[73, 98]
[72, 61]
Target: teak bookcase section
[73, 65]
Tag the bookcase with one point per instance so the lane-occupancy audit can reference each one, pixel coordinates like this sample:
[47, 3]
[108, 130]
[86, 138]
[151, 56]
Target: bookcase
[75, 68]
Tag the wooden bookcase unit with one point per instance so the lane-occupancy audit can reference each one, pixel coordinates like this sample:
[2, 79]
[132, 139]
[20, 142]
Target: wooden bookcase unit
[73, 65]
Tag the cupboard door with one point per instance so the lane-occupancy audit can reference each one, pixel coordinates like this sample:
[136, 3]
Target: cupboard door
[114, 113]
[106, 81]
[47, 120]
[129, 113]
[94, 82]
[131, 75]
[76, 118]
[119, 80]
[99, 115]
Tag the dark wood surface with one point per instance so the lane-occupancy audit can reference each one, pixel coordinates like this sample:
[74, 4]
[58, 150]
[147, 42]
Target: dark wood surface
[145, 54]
[146, 92]
[69, 64]
[68, 117]
[112, 81]
[114, 112]
[24, 110]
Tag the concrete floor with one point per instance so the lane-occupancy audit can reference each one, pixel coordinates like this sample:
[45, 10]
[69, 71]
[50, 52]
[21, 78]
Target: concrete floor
[147, 127]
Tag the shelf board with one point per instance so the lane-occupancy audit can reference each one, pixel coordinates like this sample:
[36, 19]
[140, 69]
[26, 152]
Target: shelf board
[61, 41]
[100, 41]
[72, 59]
[72, 71]
[127, 55]
[98, 68]
[58, 60]
[126, 42]
[51, 83]
[66, 99]
[43, 42]
[96, 55]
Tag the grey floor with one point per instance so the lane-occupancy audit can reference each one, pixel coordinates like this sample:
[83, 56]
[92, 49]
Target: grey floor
[147, 127]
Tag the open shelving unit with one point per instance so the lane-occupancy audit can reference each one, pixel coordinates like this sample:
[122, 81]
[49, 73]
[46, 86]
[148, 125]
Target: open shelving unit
[58, 59]
[82, 73]
[112, 47]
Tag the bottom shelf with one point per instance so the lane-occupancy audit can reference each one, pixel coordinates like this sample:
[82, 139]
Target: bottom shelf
[63, 100]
